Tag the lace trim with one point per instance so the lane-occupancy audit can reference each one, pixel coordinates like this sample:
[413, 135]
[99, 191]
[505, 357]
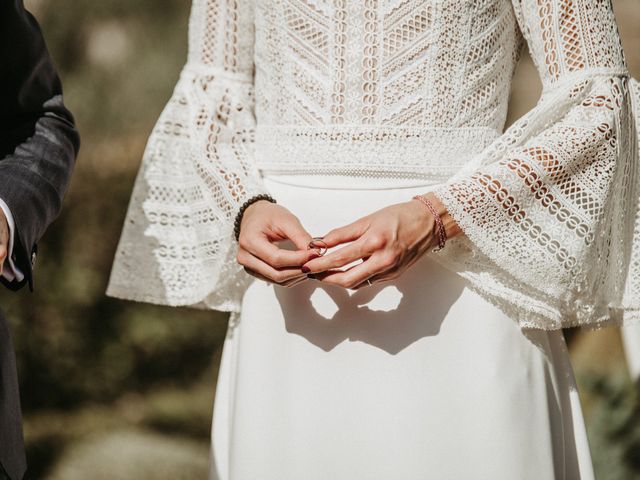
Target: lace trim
[378, 150]
[538, 312]
[387, 90]
[581, 268]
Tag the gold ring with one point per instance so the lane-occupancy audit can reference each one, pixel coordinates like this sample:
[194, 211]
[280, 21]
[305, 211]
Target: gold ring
[318, 244]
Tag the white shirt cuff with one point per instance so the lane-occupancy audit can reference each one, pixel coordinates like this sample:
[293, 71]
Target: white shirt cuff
[10, 271]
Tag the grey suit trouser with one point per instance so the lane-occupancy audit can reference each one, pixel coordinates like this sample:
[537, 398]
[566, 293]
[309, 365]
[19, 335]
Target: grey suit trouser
[3, 474]
[12, 455]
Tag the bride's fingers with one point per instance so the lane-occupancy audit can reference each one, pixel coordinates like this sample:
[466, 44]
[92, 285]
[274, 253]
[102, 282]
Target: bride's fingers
[376, 278]
[391, 273]
[257, 275]
[289, 283]
[298, 281]
[254, 264]
[357, 274]
[338, 258]
[347, 233]
[295, 232]
[269, 253]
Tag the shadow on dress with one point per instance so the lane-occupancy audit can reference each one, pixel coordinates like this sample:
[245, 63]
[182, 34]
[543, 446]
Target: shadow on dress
[571, 462]
[393, 315]
[390, 315]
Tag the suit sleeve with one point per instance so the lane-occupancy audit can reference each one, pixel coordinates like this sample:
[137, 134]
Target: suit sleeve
[38, 138]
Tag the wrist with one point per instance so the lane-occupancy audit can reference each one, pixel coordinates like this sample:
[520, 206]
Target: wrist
[253, 204]
[263, 197]
[451, 228]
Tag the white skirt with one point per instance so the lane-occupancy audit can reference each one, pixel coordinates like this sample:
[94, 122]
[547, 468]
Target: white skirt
[411, 379]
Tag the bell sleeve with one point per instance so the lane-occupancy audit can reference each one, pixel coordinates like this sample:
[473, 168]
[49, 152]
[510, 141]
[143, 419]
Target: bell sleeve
[177, 245]
[549, 210]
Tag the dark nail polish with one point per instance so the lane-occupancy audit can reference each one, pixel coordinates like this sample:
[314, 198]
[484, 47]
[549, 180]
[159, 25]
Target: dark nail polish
[311, 275]
[305, 269]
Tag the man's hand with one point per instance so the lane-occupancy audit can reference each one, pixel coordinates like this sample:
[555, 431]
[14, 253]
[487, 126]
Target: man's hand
[4, 239]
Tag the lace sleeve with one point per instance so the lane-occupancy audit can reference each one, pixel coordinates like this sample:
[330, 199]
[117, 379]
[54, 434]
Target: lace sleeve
[177, 244]
[549, 209]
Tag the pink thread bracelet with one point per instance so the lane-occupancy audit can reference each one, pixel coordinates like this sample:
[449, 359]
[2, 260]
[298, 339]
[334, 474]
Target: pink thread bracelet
[442, 234]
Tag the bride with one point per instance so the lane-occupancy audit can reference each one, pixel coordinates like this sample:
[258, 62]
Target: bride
[398, 267]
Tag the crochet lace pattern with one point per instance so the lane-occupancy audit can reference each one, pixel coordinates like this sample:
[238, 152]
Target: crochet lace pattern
[403, 88]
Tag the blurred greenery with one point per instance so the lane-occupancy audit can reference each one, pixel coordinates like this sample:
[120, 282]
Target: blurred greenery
[114, 389]
[91, 365]
[615, 427]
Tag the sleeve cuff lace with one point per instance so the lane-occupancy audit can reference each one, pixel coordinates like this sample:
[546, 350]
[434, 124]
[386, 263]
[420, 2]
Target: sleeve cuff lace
[177, 244]
[550, 209]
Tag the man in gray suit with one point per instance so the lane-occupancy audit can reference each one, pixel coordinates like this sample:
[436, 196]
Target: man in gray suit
[38, 147]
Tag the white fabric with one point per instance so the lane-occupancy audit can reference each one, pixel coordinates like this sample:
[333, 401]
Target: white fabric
[631, 342]
[353, 105]
[402, 88]
[416, 378]
[9, 270]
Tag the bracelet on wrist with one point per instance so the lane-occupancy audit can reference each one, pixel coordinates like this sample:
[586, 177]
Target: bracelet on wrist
[441, 232]
[244, 206]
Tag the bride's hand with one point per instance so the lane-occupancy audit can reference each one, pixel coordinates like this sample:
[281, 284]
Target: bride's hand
[264, 223]
[388, 241]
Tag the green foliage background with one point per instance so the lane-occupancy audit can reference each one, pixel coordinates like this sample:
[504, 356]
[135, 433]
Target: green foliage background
[114, 389]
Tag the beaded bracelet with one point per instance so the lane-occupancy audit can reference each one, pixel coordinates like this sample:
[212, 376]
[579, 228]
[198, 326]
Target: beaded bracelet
[244, 206]
[442, 234]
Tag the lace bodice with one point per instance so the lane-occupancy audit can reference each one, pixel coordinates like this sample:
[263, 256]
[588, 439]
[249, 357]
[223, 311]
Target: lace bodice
[403, 88]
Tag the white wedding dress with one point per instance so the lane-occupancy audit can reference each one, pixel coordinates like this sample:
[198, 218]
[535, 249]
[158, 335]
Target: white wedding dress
[419, 378]
[458, 369]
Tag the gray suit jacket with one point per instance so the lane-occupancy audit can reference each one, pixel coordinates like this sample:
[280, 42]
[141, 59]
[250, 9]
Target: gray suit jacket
[38, 147]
